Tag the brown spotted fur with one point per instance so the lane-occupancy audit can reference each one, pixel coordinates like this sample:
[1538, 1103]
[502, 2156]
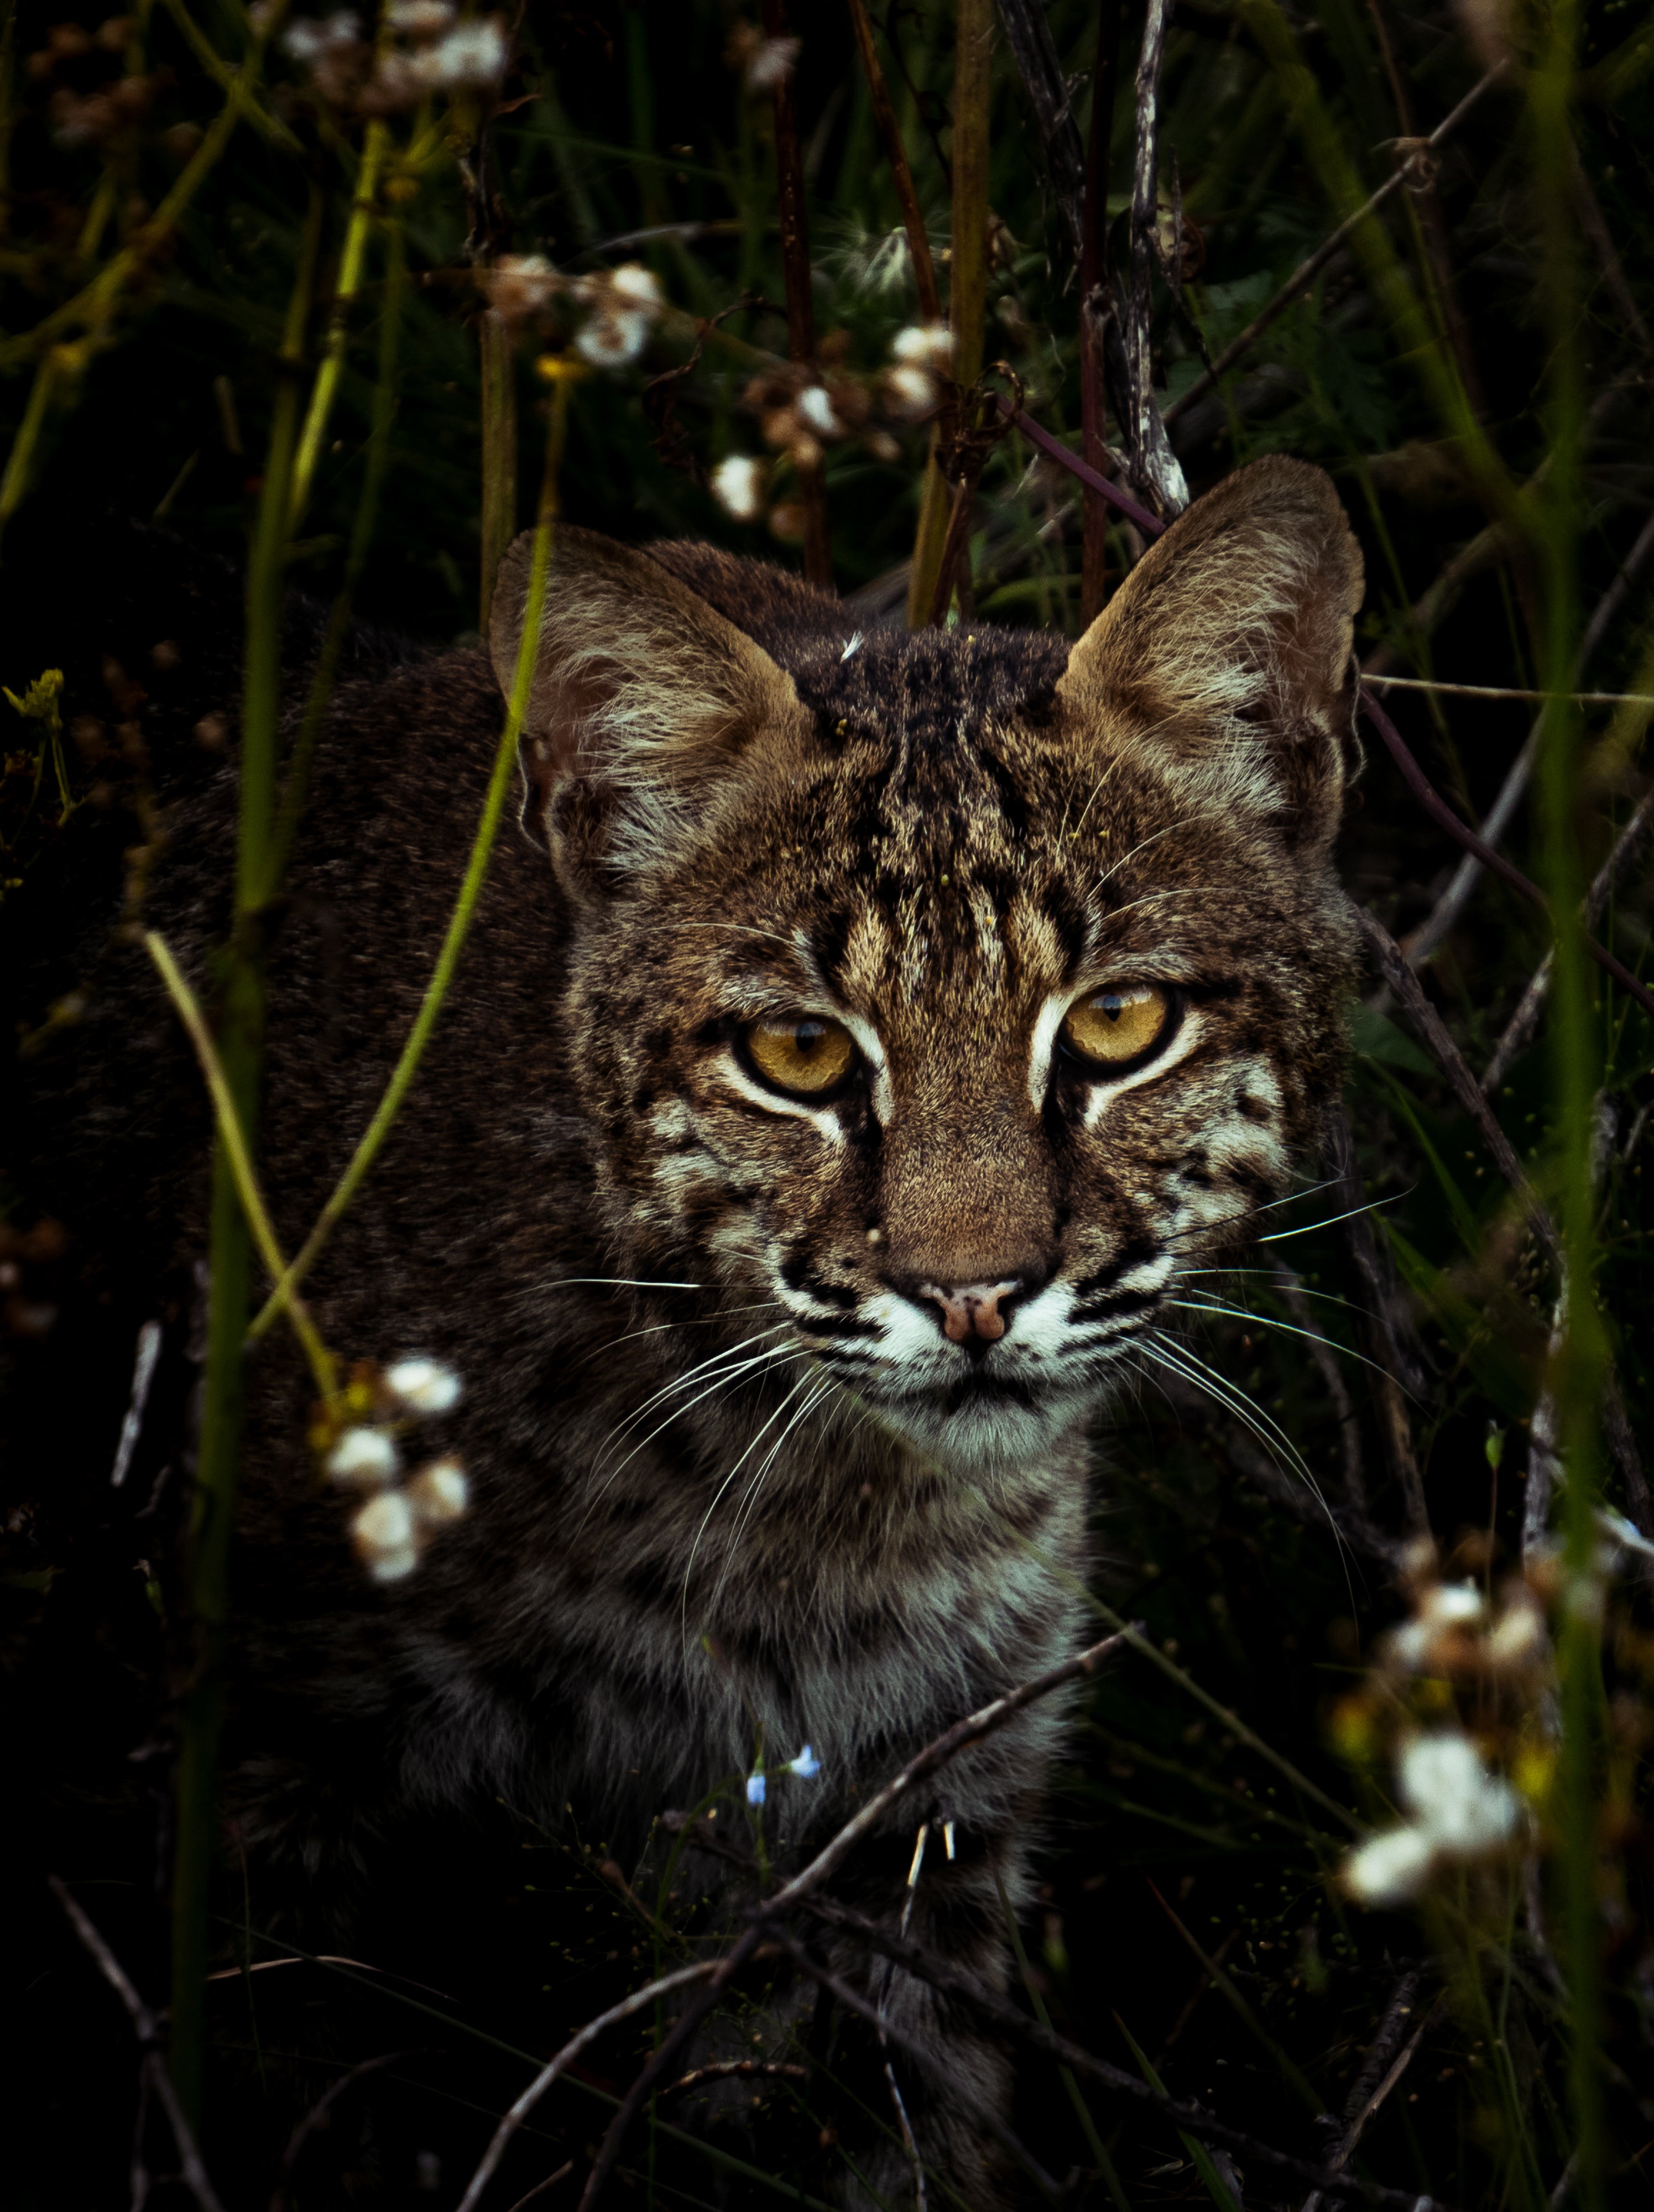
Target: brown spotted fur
[780, 1496]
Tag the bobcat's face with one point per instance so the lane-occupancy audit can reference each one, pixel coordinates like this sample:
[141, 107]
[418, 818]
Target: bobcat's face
[955, 996]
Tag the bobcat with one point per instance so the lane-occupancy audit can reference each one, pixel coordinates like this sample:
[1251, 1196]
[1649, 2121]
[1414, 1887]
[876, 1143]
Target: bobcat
[863, 1036]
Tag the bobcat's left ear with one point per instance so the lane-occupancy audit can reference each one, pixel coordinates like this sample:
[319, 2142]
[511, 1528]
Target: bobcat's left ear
[1225, 659]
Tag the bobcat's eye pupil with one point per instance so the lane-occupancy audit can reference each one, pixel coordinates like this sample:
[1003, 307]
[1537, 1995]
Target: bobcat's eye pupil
[806, 1054]
[1125, 1023]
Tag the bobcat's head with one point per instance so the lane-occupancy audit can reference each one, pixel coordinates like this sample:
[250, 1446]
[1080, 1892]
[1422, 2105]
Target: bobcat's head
[956, 992]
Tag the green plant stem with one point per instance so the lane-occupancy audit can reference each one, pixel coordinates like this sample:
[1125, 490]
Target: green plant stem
[95, 303]
[296, 783]
[1577, 1366]
[240, 1051]
[1200, 2156]
[436, 990]
[231, 1136]
[351, 258]
[231, 81]
[14, 482]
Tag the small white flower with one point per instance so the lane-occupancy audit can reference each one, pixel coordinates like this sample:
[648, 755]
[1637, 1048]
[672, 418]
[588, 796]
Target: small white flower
[806, 1765]
[1518, 1636]
[419, 19]
[472, 54]
[520, 284]
[305, 39]
[1451, 1605]
[924, 345]
[613, 340]
[1460, 1806]
[363, 1459]
[755, 1788]
[771, 63]
[738, 485]
[423, 1385]
[386, 1536]
[438, 1493]
[1390, 1868]
[637, 287]
[816, 409]
[909, 391]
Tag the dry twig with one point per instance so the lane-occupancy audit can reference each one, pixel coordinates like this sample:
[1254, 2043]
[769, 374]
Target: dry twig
[948, 1982]
[157, 2079]
[1523, 1024]
[1420, 943]
[1154, 466]
[1370, 2093]
[1308, 270]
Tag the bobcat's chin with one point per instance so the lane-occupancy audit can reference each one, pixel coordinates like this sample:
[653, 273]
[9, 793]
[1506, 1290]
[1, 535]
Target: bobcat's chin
[987, 1425]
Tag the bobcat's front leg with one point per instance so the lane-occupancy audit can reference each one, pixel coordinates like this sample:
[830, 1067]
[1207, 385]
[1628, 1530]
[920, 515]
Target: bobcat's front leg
[949, 2069]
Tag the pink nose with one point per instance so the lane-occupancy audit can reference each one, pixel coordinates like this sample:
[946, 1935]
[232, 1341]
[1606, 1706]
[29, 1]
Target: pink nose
[971, 1310]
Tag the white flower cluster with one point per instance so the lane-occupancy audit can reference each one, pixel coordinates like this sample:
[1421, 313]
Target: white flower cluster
[430, 51]
[399, 1517]
[922, 355]
[765, 63]
[1452, 1632]
[739, 484]
[802, 409]
[1460, 1811]
[621, 307]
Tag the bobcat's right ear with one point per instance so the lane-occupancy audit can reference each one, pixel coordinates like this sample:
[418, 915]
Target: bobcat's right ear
[1224, 661]
[645, 701]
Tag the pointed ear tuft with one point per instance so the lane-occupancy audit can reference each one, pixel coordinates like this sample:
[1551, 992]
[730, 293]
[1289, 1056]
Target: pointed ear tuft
[645, 700]
[1225, 659]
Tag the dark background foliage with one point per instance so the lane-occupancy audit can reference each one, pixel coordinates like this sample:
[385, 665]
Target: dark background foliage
[1174, 1847]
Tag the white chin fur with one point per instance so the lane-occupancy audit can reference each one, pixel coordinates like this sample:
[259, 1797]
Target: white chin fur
[986, 1438]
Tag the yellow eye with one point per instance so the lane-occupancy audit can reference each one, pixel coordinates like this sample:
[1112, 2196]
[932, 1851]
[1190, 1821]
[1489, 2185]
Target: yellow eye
[807, 1054]
[1121, 1023]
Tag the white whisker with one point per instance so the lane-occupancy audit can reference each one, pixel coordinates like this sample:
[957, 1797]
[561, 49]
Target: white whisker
[1285, 1328]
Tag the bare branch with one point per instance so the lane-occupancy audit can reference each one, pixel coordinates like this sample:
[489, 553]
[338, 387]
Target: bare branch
[1369, 2103]
[1421, 942]
[768, 1915]
[321, 2116]
[1153, 464]
[726, 2069]
[966, 1989]
[684, 1978]
[1433, 1031]
[155, 2075]
[1523, 1024]
[929, 2060]
[947, 1746]
[1443, 815]
[1307, 271]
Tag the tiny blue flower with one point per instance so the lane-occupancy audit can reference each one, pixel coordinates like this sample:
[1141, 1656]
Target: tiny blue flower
[806, 1765]
[755, 1788]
